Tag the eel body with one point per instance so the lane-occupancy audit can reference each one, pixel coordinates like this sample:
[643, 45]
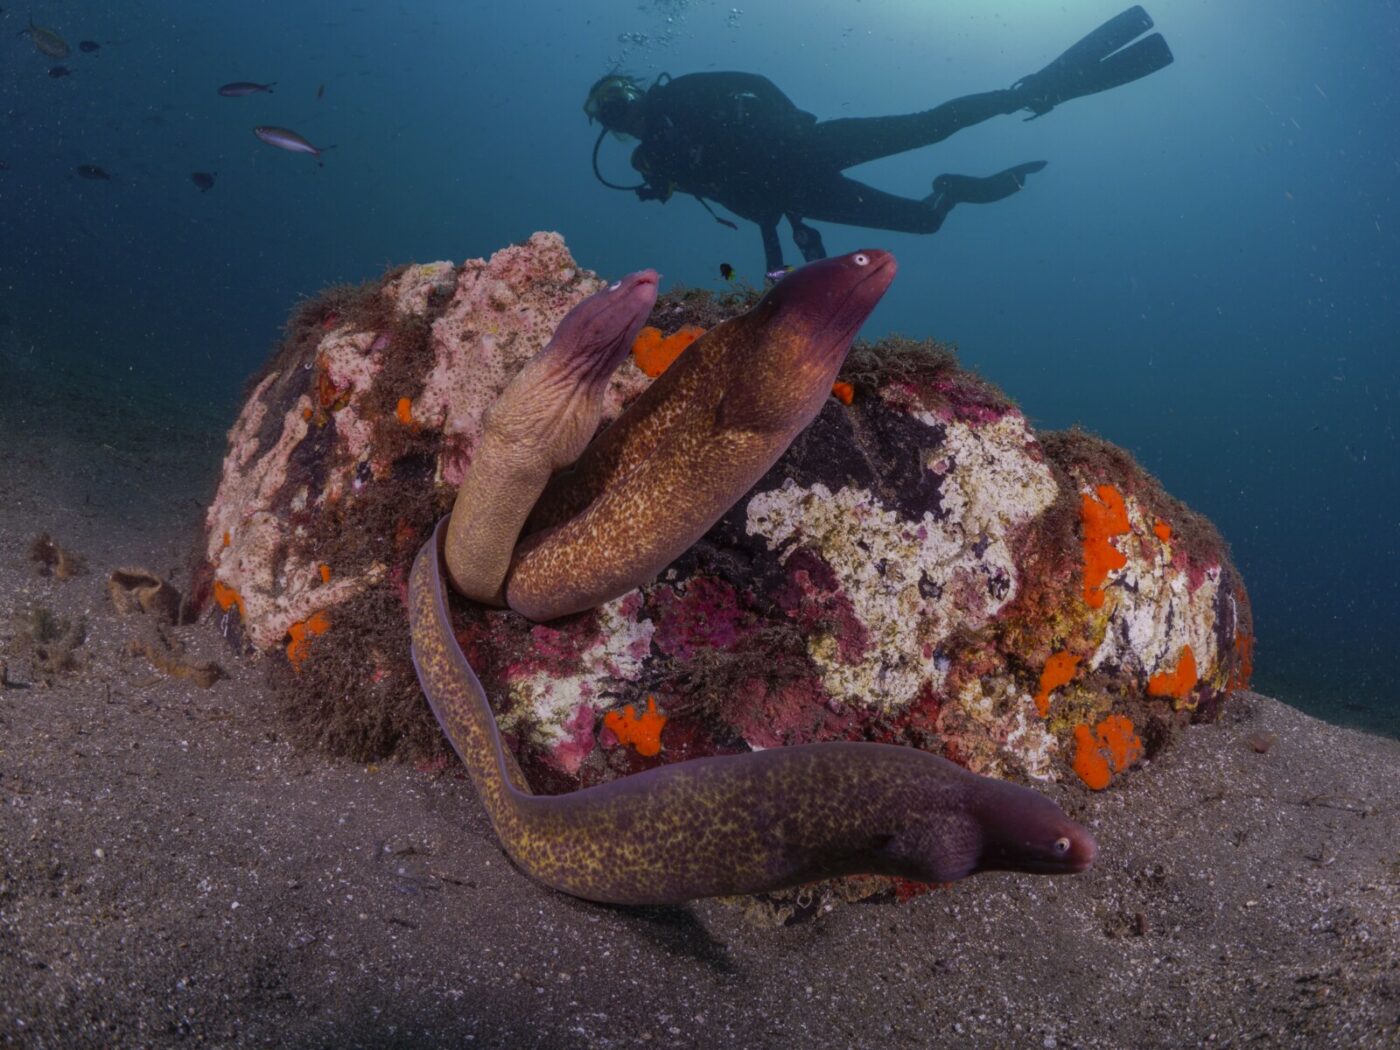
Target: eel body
[681, 455]
[639, 495]
[540, 424]
[734, 824]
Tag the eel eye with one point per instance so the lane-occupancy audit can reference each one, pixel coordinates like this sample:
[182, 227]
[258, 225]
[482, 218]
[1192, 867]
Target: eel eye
[860, 259]
[1062, 844]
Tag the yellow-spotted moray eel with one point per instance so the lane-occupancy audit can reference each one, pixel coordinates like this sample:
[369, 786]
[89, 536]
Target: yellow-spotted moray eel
[649, 486]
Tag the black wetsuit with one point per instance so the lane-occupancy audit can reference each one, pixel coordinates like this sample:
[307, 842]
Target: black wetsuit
[736, 139]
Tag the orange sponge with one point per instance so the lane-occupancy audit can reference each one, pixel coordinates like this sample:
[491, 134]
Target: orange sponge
[227, 597]
[1110, 748]
[1058, 670]
[642, 731]
[654, 352]
[1244, 668]
[301, 634]
[1103, 518]
[1179, 683]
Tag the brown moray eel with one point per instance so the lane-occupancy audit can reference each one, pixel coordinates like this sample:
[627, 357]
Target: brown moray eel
[738, 823]
[680, 456]
[725, 825]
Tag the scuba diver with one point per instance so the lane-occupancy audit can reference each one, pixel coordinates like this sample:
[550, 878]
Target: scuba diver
[736, 139]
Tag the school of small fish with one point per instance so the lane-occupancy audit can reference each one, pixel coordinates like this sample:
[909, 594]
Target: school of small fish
[50, 43]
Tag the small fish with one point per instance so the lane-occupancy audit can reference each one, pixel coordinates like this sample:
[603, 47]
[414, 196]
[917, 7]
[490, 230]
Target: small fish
[203, 179]
[779, 274]
[46, 41]
[89, 47]
[288, 140]
[726, 271]
[239, 88]
[92, 171]
[320, 91]
[59, 71]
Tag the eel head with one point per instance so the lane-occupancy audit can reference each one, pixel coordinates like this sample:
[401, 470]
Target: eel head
[803, 329]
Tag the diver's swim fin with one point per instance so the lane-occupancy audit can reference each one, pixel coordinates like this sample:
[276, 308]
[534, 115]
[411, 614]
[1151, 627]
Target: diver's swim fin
[970, 189]
[1119, 31]
[1096, 63]
[1133, 62]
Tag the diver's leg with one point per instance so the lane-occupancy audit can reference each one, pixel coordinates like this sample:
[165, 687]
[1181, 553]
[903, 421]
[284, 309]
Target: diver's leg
[772, 247]
[853, 203]
[843, 200]
[1106, 58]
[807, 238]
[972, 189]
[849, 141]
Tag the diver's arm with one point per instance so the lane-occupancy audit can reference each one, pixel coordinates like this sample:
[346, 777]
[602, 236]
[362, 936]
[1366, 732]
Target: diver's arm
[655, 191]
[657, 185]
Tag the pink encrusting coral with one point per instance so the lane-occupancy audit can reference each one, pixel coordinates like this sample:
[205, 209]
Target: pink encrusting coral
[503, 312]
[577, 741]
[921, 567]
[247, 530]
[703, 615]
[301, 448]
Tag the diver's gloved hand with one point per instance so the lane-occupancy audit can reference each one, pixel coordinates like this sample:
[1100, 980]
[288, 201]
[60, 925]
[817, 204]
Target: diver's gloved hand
[971, 189]
[652, 192]
[1095, 64]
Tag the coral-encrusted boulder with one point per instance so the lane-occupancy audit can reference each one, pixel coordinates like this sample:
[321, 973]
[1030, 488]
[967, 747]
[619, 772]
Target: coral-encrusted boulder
[919, 568]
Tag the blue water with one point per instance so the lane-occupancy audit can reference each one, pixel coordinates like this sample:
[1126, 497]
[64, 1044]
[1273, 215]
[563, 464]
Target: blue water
[1206, 272]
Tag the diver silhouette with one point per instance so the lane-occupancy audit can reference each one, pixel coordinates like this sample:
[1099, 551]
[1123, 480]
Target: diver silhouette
[736, 139]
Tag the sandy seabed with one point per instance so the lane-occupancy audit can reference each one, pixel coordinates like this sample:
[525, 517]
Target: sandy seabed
[172, 870]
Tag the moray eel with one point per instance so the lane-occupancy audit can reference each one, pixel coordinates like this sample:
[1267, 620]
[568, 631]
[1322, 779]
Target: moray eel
[715, 826]
[738, 823]
[680, 456]
[540, 424]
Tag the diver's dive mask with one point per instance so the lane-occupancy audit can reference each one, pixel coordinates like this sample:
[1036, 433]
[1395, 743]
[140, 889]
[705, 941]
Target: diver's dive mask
[609, 99]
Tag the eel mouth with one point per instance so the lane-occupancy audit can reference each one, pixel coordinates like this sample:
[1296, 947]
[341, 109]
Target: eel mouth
[840, 323]
[643, 283]
[881, 269]
[1084, 852]
[633, 295]
[609, 328]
